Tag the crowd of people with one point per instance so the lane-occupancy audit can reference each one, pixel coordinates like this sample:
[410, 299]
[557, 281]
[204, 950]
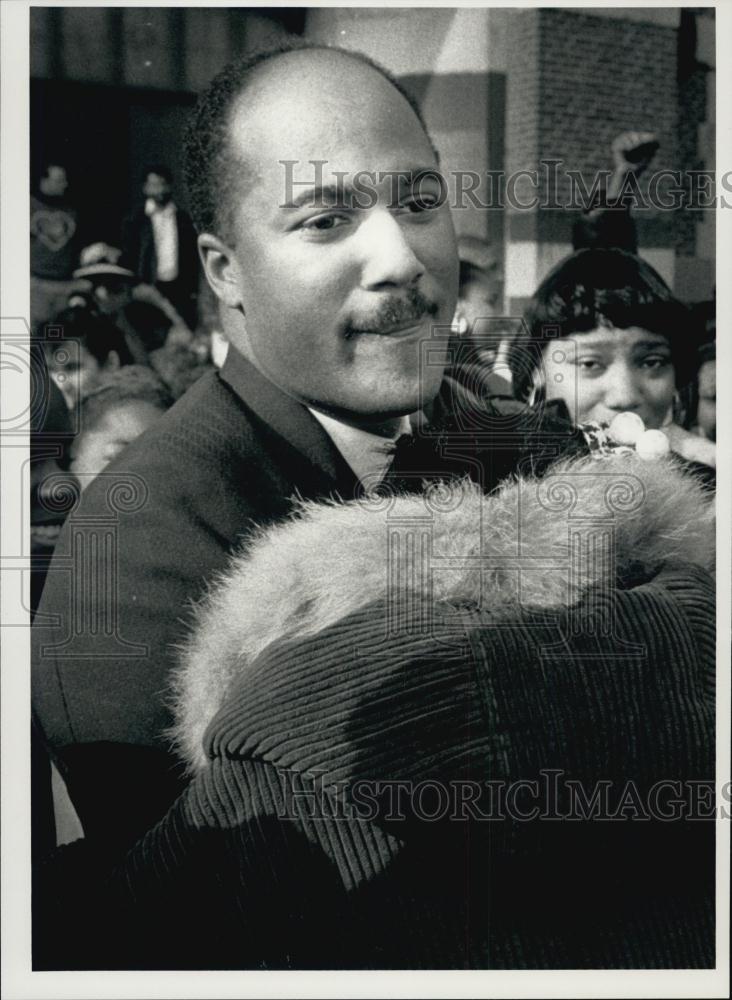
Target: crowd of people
[246, 675]
[117, 329]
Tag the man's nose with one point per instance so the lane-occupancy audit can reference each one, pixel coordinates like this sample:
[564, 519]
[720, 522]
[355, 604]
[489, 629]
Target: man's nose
[623, 390]
[388, 257]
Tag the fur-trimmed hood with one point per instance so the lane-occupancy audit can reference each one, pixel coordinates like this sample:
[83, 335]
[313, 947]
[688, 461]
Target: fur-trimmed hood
[499, 552]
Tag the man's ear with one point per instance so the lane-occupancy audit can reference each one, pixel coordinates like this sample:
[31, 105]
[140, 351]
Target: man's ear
[221, 269]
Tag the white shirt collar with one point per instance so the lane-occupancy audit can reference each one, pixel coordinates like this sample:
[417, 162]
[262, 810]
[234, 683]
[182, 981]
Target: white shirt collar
[153, 209]
[368, 454]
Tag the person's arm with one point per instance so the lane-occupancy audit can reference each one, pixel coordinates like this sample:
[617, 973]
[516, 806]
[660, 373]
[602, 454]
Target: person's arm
[608, 222]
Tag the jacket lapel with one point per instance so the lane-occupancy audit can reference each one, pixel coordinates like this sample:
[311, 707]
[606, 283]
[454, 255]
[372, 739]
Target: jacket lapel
[291, 421]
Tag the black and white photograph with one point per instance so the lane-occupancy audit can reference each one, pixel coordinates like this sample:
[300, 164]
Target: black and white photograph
[365, 554]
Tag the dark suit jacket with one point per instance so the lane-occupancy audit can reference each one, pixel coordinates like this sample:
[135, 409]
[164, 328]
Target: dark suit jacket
[166, 515]
[157, 525]
[138, 249]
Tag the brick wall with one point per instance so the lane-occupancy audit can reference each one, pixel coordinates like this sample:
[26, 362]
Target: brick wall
[695, 243]
[523, 92]
[600, 77]
[575, 81]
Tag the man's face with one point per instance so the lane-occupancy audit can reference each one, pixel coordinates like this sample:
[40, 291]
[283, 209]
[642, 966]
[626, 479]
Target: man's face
[55, 182]
[157, 188]
[339, 299]
[111, 294]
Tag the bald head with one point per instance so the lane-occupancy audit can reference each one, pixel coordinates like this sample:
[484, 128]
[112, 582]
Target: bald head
[260, 88]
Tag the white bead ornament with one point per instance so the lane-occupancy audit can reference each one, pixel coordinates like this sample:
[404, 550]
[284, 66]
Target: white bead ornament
[626, 428]
[651, 445]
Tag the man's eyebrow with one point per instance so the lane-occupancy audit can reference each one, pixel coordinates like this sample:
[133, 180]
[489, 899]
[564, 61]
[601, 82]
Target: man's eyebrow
[345, 193]
[654, 345]
[319, 194]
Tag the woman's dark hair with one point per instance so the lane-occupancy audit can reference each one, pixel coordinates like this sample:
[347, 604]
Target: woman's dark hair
[97, 334]
[594, 288]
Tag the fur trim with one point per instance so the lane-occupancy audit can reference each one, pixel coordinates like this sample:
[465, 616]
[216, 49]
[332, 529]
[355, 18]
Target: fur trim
[330, 559]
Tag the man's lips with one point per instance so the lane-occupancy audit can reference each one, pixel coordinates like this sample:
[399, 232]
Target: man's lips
[394, 317]
[398, 331]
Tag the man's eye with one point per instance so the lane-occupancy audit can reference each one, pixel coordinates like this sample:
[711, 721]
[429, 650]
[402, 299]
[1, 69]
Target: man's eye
[423, 203]
[655, 363]
[590, 365]
[323, 223]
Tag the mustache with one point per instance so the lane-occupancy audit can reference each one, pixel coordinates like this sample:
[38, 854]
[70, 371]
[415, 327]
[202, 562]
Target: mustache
[394, 312]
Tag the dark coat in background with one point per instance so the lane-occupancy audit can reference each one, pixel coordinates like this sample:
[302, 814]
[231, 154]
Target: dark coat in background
[138, 253]
[160, 522]
[344, 809]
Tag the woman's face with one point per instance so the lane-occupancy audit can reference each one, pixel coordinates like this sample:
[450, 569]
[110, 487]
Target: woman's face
[609, 371]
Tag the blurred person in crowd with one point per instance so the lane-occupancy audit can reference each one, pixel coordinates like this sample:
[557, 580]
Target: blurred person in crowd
[140, 311]
[704, 420]
[603, 335]
[159, 244]
[480, 343]
[480, 293]
[181, 362]
[54, 242]
[607, 222]
[52, 486]
[700, 396]
[84, 347]
[123, 405]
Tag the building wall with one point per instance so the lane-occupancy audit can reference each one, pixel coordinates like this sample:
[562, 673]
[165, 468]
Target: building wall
[450, 60]
[695, 251]
[161, 48]
[501, 89]
[576, 80]
[111, 88]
